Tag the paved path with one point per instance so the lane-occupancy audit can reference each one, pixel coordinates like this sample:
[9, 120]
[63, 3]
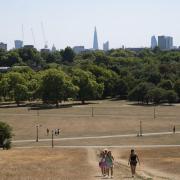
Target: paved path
[95, 137]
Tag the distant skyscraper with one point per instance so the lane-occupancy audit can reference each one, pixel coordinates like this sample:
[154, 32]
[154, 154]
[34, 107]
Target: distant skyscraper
[106, 46]
[95, 43]
[78, 49]
[165, 42]
[18, 44]
[3, 46]
[53, 48]
[153, 42]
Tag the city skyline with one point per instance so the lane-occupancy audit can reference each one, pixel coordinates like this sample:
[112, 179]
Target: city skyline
[68, 23]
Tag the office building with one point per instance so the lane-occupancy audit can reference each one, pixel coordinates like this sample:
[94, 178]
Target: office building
[165, 42]
[106, 46]
[3, 46]
[53, 48]
[95, 43]
[78, 49]
[18, 44]
[29, 46]
[154, 43]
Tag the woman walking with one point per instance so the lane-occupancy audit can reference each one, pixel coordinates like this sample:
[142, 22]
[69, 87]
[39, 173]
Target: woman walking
[102, 163]
[133, 160]
[110, 164]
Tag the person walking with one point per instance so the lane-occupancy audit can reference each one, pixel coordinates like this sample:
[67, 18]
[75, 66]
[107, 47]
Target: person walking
[102, 163]
[47, 130]
[174, 129]
[109, 164]
[133, 160]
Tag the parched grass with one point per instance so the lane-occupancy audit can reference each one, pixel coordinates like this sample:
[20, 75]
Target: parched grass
[44, 164]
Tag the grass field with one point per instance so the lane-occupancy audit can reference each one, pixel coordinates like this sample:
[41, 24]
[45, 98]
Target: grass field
[100, 118]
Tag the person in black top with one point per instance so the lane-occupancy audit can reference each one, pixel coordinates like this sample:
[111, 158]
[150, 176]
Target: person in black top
[133, 160]
[174, 129]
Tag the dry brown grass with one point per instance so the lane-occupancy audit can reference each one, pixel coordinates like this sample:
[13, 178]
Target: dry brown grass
[110, 117]
[157, 160]
[44, 164]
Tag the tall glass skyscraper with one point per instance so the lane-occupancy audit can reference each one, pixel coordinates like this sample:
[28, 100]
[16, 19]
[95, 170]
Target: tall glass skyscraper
[154, 42]
[95, 43]
[165, 42]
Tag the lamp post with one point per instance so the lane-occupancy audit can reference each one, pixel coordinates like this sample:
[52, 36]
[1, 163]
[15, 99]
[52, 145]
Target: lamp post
[140, 133]
[37, 132]
[92, 111]
[52, 139]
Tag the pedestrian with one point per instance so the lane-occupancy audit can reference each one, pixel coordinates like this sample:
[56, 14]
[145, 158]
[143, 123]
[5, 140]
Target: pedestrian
[58, 131]
[102, 163]
[133, 160]
[174, 129]
[109, 164]
[47, 132]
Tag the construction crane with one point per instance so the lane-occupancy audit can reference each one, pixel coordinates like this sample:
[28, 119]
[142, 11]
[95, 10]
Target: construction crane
[33, 36]
[44, 36]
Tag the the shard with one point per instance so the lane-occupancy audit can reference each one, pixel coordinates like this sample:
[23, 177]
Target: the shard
[95, 43]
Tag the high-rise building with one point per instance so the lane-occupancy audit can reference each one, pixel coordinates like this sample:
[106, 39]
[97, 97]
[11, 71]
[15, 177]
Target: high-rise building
[153, 42]
[53, 48]
[106, 46]
[18, 44]
[95, 43]
[3, 46]
[165, 42]
[78, 49]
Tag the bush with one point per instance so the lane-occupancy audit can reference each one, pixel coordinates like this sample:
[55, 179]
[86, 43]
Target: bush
[171, 96]
[6, 135]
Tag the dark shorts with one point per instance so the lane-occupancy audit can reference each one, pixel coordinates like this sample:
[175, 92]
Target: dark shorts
[133, 163]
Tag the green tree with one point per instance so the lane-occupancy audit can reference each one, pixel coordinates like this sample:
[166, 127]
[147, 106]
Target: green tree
[13, 86]
[121, 88]
[166, 84]
[20, 93]
[177, 87]
[88, 87]
[156, 95]
[171, 96]
[68, 55]
[13, 58]
[141, 92]
[56, 86]
[5, 135]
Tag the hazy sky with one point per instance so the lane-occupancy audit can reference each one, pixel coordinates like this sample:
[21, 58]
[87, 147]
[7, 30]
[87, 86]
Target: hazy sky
[71, 22]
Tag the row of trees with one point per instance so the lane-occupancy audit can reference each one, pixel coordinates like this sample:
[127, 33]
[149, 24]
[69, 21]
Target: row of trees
[145, 76]
[51, 86]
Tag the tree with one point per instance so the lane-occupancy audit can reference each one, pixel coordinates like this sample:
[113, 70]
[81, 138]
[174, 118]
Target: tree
[68, 55]
[4, 88]
[177, 87]
[141, 92]
[13, 86]
[56, 86]
[166, 84]
[5, 135]
[88, 87]
[13, 58]
[171, 96]
[121, 88]
[20, 93]
[156, 95]
[105, 76]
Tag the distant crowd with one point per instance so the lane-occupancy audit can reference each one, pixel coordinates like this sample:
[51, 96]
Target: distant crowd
[56, 132]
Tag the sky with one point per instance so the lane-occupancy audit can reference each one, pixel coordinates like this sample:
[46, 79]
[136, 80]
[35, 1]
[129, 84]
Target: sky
[71, 22]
